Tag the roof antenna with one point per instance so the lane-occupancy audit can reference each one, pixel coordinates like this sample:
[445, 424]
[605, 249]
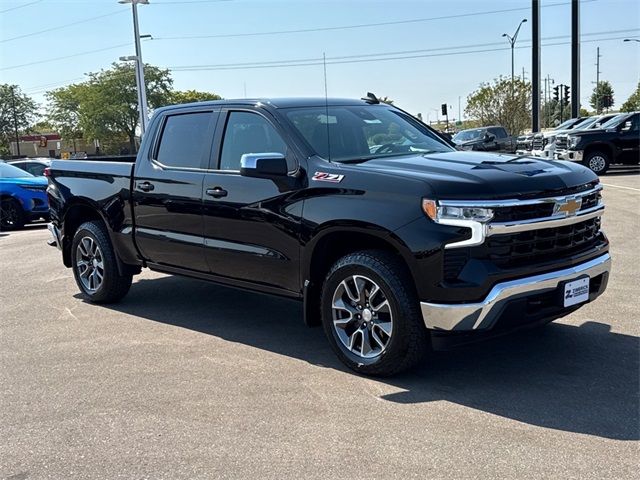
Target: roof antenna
[326, 104]
[371, 99]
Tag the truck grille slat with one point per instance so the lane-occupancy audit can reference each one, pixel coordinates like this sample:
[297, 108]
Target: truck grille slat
[527, 249]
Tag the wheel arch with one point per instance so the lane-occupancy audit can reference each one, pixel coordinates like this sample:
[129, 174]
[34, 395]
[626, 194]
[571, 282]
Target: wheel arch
[77, 212]
[333, 242]
[603, 147]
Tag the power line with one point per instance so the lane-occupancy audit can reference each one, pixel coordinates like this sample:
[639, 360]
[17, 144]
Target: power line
[264, 64]
[356, 59]
[60, 27]
[20, 6]
[362, 25]
[404, 52]
[49, 60]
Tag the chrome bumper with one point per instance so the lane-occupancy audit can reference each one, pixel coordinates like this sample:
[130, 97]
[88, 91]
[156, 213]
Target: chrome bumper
[55, 240]
[482, 315]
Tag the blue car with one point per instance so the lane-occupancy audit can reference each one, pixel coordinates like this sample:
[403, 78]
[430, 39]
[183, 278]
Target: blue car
[23, 197]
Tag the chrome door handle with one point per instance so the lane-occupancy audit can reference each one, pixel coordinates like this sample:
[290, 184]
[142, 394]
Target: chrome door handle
[145, 186]
[217, 192]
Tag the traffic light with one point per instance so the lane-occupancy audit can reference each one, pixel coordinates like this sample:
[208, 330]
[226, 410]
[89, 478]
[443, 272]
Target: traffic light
[607, 101]
[556, 93]
[444, 109]
[566, 95]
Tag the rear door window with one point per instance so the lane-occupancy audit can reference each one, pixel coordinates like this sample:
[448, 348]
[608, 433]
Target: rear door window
[184, 140]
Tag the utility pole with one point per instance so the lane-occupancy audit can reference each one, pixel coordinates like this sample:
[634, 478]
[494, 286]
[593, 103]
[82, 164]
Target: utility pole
[575, 58]
[15, 118]
[459, 110]
[535, 66]
[598, 81]
[142, 87]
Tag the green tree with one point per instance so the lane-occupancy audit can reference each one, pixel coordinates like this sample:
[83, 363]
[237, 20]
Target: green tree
[64, 110]
[602, 96]
[633, 102]
[16, 108]
[386, 100]
[190, 96]
[495, 104]
[105, 106]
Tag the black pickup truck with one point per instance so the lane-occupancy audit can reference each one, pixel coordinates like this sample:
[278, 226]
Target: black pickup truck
[616, 141]
[390, 237]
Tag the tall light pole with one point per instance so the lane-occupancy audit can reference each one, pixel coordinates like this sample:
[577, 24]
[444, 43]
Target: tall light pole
[512, 41]
[142, 88]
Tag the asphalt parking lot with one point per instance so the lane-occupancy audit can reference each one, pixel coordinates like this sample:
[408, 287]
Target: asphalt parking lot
[185, 379]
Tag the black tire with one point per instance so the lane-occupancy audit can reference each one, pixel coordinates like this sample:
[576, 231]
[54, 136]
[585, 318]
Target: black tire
[597, 162]
[408, 341]
[12, 215]
[113, 286]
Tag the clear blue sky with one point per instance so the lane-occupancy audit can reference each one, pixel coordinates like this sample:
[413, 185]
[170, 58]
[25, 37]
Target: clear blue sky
[417, 84]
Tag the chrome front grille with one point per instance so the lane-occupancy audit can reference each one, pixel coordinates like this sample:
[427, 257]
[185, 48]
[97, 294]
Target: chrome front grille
[539, 142]
[562, 142]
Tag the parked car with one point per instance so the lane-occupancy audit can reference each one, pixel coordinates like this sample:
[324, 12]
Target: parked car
[485, 139]
[22, 197]
[35, 166]
[389, 245]
[617, 141]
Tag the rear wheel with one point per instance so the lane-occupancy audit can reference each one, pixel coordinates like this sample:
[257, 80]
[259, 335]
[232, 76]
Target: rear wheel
[94, 265]
[371, 314]
[598, 162]
[12, 216]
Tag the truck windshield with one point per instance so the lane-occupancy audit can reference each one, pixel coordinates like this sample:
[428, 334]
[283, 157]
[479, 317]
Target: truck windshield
[566, 124]
[467, 135]
[352, 133]
[9, 171]
[615, 121]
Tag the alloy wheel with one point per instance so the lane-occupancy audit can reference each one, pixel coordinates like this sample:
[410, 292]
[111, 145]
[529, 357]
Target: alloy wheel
[8, 214]
[597, 163]
[362, 316]
[90, 264]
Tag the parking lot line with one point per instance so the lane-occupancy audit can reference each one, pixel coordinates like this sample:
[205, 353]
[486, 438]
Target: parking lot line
[620, 186]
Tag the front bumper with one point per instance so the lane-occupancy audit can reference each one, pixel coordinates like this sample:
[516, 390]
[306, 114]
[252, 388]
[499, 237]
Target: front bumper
[570, 155]
[484, 315]
[546, 153]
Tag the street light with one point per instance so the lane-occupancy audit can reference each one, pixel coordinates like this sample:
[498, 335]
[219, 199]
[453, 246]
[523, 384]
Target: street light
[512, 41]
[142, 89]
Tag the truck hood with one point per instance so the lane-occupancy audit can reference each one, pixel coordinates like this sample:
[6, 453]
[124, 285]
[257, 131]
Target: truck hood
[477, 175]
[596, 131]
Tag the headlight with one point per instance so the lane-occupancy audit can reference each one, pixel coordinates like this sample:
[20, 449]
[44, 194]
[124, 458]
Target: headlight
[573, 141]
[447, 212]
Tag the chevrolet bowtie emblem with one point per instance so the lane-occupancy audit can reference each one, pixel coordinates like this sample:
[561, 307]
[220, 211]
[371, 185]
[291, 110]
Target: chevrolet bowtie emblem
[568, 206]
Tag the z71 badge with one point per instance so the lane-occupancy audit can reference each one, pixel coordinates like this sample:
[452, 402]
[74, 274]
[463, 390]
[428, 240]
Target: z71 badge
[327, 177]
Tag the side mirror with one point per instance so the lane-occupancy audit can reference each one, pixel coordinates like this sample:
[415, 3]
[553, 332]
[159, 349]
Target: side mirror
[263, 165]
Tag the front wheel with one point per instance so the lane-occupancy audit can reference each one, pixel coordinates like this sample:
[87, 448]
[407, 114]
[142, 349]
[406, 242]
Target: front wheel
[12, 216]
[371, 315]
[598, 162]
[94, 265]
